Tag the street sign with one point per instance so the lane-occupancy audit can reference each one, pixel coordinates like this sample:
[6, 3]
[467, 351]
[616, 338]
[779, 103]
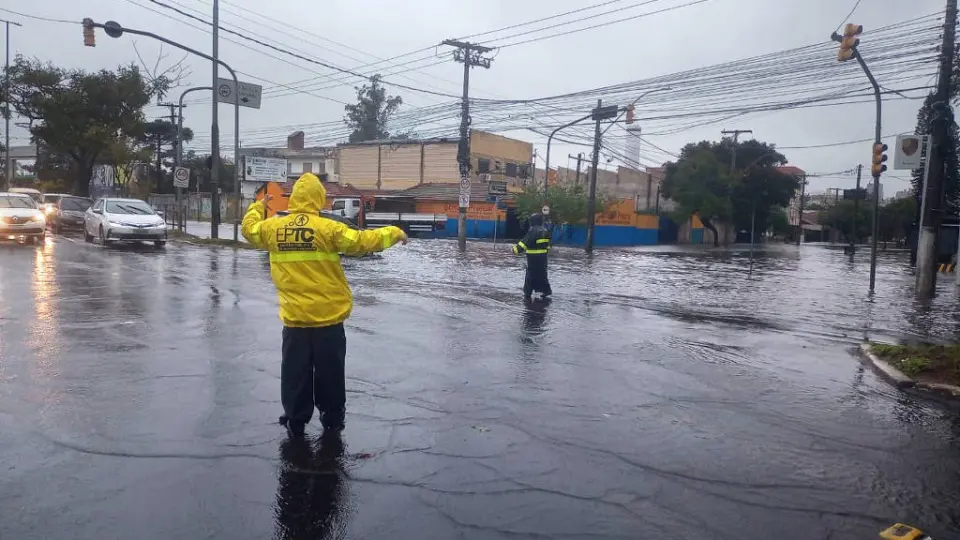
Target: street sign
[605, 113]
[263, 169]
[249, 93]
[855, 194]
[497, 187]
[181, 177]
[908, 153]
[465, 192]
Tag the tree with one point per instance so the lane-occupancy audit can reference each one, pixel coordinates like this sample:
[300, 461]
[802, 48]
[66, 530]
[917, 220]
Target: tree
[896, 219]
[841, 216]
[370, 115]
[199, 165]
[568, 202]
[126, 158]
[780, 223]
[701, 181]
[80, 114]
[951, 186]
[159, 138]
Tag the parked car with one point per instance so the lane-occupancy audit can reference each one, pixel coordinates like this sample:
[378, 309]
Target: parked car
[21, 218]
[30, 192]
[66, 213]
[114, 219]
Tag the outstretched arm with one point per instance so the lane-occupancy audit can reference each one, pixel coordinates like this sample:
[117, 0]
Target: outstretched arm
[251, 224]
[359, 242]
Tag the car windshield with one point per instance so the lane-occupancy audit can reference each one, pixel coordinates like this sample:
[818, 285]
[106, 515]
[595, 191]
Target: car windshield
[139, 208]
[17, 202]
[75, 204]
[51, 198]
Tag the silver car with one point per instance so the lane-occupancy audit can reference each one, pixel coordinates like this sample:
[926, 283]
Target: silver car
[21, 218]
[123, 220]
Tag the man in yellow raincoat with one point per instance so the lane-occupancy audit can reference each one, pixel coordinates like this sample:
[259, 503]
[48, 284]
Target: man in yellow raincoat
[315, 299]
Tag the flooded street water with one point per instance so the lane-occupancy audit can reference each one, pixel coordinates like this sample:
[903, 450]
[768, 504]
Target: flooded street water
[668, 392]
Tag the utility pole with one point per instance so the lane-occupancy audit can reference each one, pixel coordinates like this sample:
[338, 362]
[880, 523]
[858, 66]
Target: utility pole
[934, 195]
[215, 128]
[856, 210]
[600, 113]
[733, 166]
[8, 161]
[803, 196]
[175, 113]
[470, 55]
[579, 160]
[736, 139]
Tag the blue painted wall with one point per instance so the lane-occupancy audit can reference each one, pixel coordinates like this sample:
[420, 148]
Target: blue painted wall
[476, 228]
[696, 236]
[604, 235]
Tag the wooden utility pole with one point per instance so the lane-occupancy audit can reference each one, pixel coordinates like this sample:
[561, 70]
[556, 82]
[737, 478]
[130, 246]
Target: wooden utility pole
[579, 161]
[934, 196]
[736, 139]
[469, 55]
[175, 112]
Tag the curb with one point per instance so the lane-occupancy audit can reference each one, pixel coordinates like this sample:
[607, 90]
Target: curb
[901, 380]
[887, 371]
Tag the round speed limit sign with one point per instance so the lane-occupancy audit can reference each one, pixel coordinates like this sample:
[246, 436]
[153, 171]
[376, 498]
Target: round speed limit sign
[181, 177]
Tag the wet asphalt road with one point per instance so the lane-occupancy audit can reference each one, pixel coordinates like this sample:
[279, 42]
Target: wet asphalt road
[665, 393]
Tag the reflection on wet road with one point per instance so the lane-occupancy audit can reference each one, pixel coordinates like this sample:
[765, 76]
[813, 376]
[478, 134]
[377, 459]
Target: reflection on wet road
[664, 393]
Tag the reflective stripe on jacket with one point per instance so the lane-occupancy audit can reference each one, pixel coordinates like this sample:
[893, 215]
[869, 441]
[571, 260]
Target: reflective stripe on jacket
[305, 253]
[536, 242]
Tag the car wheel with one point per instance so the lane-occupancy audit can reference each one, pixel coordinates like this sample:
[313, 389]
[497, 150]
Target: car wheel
[87, 237]
[103, 238]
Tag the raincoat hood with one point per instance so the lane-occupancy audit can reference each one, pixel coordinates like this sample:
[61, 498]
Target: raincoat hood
[308, 195]
[536, 220]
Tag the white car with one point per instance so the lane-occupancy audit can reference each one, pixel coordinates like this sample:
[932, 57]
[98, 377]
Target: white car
[123, 220]
[21, 218]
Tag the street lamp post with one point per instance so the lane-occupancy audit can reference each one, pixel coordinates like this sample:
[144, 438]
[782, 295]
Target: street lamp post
[8, 159]
[114, 30]
[178, 158]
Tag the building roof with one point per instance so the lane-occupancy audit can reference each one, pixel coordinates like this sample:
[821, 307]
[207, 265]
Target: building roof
[791, 170]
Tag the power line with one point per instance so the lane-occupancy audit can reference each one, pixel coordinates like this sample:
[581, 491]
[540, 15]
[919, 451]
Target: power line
[38, 17]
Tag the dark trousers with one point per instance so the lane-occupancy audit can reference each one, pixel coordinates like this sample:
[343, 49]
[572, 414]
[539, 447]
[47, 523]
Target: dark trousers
[312, 374]
[536, 277]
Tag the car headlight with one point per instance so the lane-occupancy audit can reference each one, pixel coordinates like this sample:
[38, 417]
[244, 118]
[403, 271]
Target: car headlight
[37, 217]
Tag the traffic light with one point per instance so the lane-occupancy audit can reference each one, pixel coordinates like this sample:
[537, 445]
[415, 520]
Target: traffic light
[879, 156]
[89, 38]
[630, 114]
[849, 41]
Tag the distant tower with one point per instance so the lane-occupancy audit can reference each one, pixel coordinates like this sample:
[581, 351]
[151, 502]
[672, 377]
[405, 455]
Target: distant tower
[631, 148]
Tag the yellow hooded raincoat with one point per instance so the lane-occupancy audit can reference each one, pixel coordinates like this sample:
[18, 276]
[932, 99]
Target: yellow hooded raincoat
[305, 253]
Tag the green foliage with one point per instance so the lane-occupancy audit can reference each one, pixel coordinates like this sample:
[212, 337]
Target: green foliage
[841, 217]
[913, 365]
[925, 119]
[78, 114]
[199, 171]
[568, 202]
[896, 219]
[701, 181]
[159, 139]
[779, 222]
[370, 115]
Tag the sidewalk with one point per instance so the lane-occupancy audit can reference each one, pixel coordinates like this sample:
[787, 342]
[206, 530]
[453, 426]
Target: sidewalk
[202, 229]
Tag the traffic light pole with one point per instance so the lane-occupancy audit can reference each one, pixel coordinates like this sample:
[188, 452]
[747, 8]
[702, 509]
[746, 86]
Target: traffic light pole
[876, 173]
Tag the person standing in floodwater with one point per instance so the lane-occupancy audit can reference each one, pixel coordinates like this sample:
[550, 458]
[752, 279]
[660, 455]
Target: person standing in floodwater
[536, 245]
[315, 299]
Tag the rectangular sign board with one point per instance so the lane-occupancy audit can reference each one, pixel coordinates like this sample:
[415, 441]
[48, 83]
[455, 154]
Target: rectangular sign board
[264, 169]
[909, 152]
[249, 94]
[855, 194]
[181, 177]
[497, 187]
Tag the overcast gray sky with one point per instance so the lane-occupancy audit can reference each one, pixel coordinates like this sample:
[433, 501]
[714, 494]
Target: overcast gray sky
[712, 32]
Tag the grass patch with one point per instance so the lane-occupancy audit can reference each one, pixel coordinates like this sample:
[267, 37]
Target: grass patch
[929, 363]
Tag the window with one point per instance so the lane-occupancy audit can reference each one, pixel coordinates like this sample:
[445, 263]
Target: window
[74, 204]
[483, 165]
[322, 167]
[524, 171]
[16, 201]
[339, 205]
[512, 170]
[51, 198]
[289, 168]
[138, 208]
[307, 166]
[98, 205]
